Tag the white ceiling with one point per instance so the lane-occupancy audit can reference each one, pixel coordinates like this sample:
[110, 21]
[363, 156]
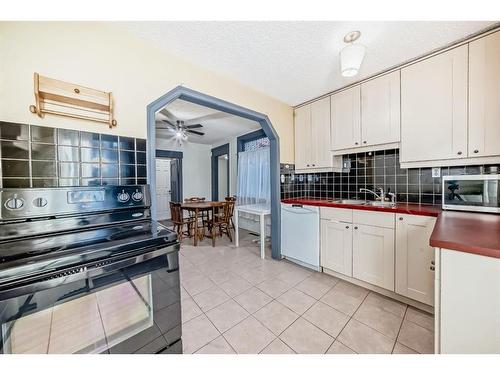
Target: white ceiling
[297, 61]
[218, 126]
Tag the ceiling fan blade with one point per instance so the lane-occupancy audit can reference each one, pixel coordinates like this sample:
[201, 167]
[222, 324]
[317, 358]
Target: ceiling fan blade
[166, 114]
[168, 122]
[195, 132]
[212, 116]
[194, 126]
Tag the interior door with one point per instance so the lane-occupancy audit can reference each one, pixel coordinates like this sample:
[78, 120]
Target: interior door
[163, 188]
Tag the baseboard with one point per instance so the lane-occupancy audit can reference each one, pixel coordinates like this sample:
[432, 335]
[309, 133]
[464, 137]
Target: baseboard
[385, 292]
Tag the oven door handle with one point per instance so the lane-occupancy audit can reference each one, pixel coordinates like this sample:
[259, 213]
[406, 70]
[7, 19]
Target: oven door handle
[85, 271]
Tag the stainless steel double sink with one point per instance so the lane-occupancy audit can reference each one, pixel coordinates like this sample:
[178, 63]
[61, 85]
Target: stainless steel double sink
[359, 202]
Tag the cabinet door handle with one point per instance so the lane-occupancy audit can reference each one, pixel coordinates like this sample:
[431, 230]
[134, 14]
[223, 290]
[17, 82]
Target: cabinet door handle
[433, 263]
[364, 142]
[432, 268]
[355, 227]
[476, 151]
[347, 227]
[308, 165]
[401, 218]
[356, 143]
[314, 165]
[459, 152]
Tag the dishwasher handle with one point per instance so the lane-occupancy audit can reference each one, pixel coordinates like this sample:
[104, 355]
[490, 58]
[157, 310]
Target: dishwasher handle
[299, 209]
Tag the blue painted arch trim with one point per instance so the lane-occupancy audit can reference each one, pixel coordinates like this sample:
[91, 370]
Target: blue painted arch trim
[169, 154]
[216, 152]
[184, 93]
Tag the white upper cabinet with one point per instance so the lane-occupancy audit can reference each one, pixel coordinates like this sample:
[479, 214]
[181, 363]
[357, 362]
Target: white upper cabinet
[320, 128]
[303, 147]
[346, 119]
[380, 110]
[484, 96]
[312, 138]
[434, 108]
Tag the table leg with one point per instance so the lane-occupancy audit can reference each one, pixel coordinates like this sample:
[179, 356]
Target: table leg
[262, 237]
[236, 232]
[213, 226]
[196, 227]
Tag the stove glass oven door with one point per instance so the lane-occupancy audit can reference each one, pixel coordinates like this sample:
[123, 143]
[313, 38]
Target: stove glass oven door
[111, 309]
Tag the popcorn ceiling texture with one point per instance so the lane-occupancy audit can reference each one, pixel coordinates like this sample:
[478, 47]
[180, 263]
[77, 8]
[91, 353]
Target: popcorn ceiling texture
[297, 61]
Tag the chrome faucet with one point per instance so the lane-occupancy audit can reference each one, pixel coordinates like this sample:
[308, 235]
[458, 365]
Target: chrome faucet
[393, 198]
[380, 197]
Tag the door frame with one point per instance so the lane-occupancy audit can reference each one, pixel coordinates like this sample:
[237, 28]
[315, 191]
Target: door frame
[167, 154]
[184, 93]
[216, 152]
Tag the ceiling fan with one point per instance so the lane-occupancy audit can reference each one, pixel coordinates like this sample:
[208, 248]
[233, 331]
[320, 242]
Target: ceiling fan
[179, 129]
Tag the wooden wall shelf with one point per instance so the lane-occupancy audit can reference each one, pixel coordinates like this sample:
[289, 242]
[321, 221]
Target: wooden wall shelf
[61, 98]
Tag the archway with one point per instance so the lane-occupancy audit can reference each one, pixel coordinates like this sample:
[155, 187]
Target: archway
[196, 97]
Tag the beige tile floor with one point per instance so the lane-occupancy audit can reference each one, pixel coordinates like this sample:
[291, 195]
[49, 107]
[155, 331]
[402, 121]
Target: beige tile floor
[235, 302]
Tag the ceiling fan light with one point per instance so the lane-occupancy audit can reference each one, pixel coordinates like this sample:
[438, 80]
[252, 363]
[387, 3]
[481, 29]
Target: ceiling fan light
[351, 58]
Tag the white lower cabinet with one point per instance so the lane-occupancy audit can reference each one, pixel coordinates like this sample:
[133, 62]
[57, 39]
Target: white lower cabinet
[336, 246]
[468, 305]
[415, 258]
[383, 249]
[373, 255]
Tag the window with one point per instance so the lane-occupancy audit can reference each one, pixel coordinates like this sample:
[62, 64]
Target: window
[256, 144]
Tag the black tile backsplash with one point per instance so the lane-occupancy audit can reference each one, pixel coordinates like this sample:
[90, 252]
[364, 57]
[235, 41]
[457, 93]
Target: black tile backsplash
[370, 170]
[38, 156]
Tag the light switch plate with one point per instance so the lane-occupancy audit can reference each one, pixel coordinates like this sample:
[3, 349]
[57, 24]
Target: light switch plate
[436, 172]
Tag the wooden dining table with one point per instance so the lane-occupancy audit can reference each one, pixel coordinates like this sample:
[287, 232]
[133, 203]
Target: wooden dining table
[196, 208]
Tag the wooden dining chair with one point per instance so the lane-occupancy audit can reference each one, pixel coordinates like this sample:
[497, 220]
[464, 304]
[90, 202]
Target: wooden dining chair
[231, 198]
[180, 221]
[194, 199]
[221, 222]
[203, 215]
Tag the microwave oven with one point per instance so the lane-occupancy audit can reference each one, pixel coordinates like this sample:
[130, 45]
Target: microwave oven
[480, 193]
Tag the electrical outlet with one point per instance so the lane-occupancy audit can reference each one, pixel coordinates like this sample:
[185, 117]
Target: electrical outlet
[436, 172]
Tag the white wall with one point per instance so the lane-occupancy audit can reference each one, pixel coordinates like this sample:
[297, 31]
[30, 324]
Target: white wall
[104, 57]
[196, 167]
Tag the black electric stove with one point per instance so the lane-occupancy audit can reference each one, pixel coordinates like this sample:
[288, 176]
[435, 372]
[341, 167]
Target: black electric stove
[89, 268]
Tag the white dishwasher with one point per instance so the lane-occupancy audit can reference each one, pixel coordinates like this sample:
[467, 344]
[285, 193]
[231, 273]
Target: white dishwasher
[300, 234]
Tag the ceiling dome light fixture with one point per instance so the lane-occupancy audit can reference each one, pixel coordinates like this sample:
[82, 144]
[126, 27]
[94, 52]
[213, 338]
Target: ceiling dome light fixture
[351, 55]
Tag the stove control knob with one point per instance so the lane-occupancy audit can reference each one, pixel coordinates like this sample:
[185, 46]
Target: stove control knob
[14, 203]
[123, 197]
[137, 196]
[39, 202]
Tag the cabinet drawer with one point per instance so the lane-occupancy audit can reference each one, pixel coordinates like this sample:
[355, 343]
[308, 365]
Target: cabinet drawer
[338, 214]
[376, 219]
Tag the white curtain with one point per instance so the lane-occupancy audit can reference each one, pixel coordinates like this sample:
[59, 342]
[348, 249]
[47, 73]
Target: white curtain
[254, 183]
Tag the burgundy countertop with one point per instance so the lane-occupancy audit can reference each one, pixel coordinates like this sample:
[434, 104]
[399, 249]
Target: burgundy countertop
[411, 209]
[474, 233]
